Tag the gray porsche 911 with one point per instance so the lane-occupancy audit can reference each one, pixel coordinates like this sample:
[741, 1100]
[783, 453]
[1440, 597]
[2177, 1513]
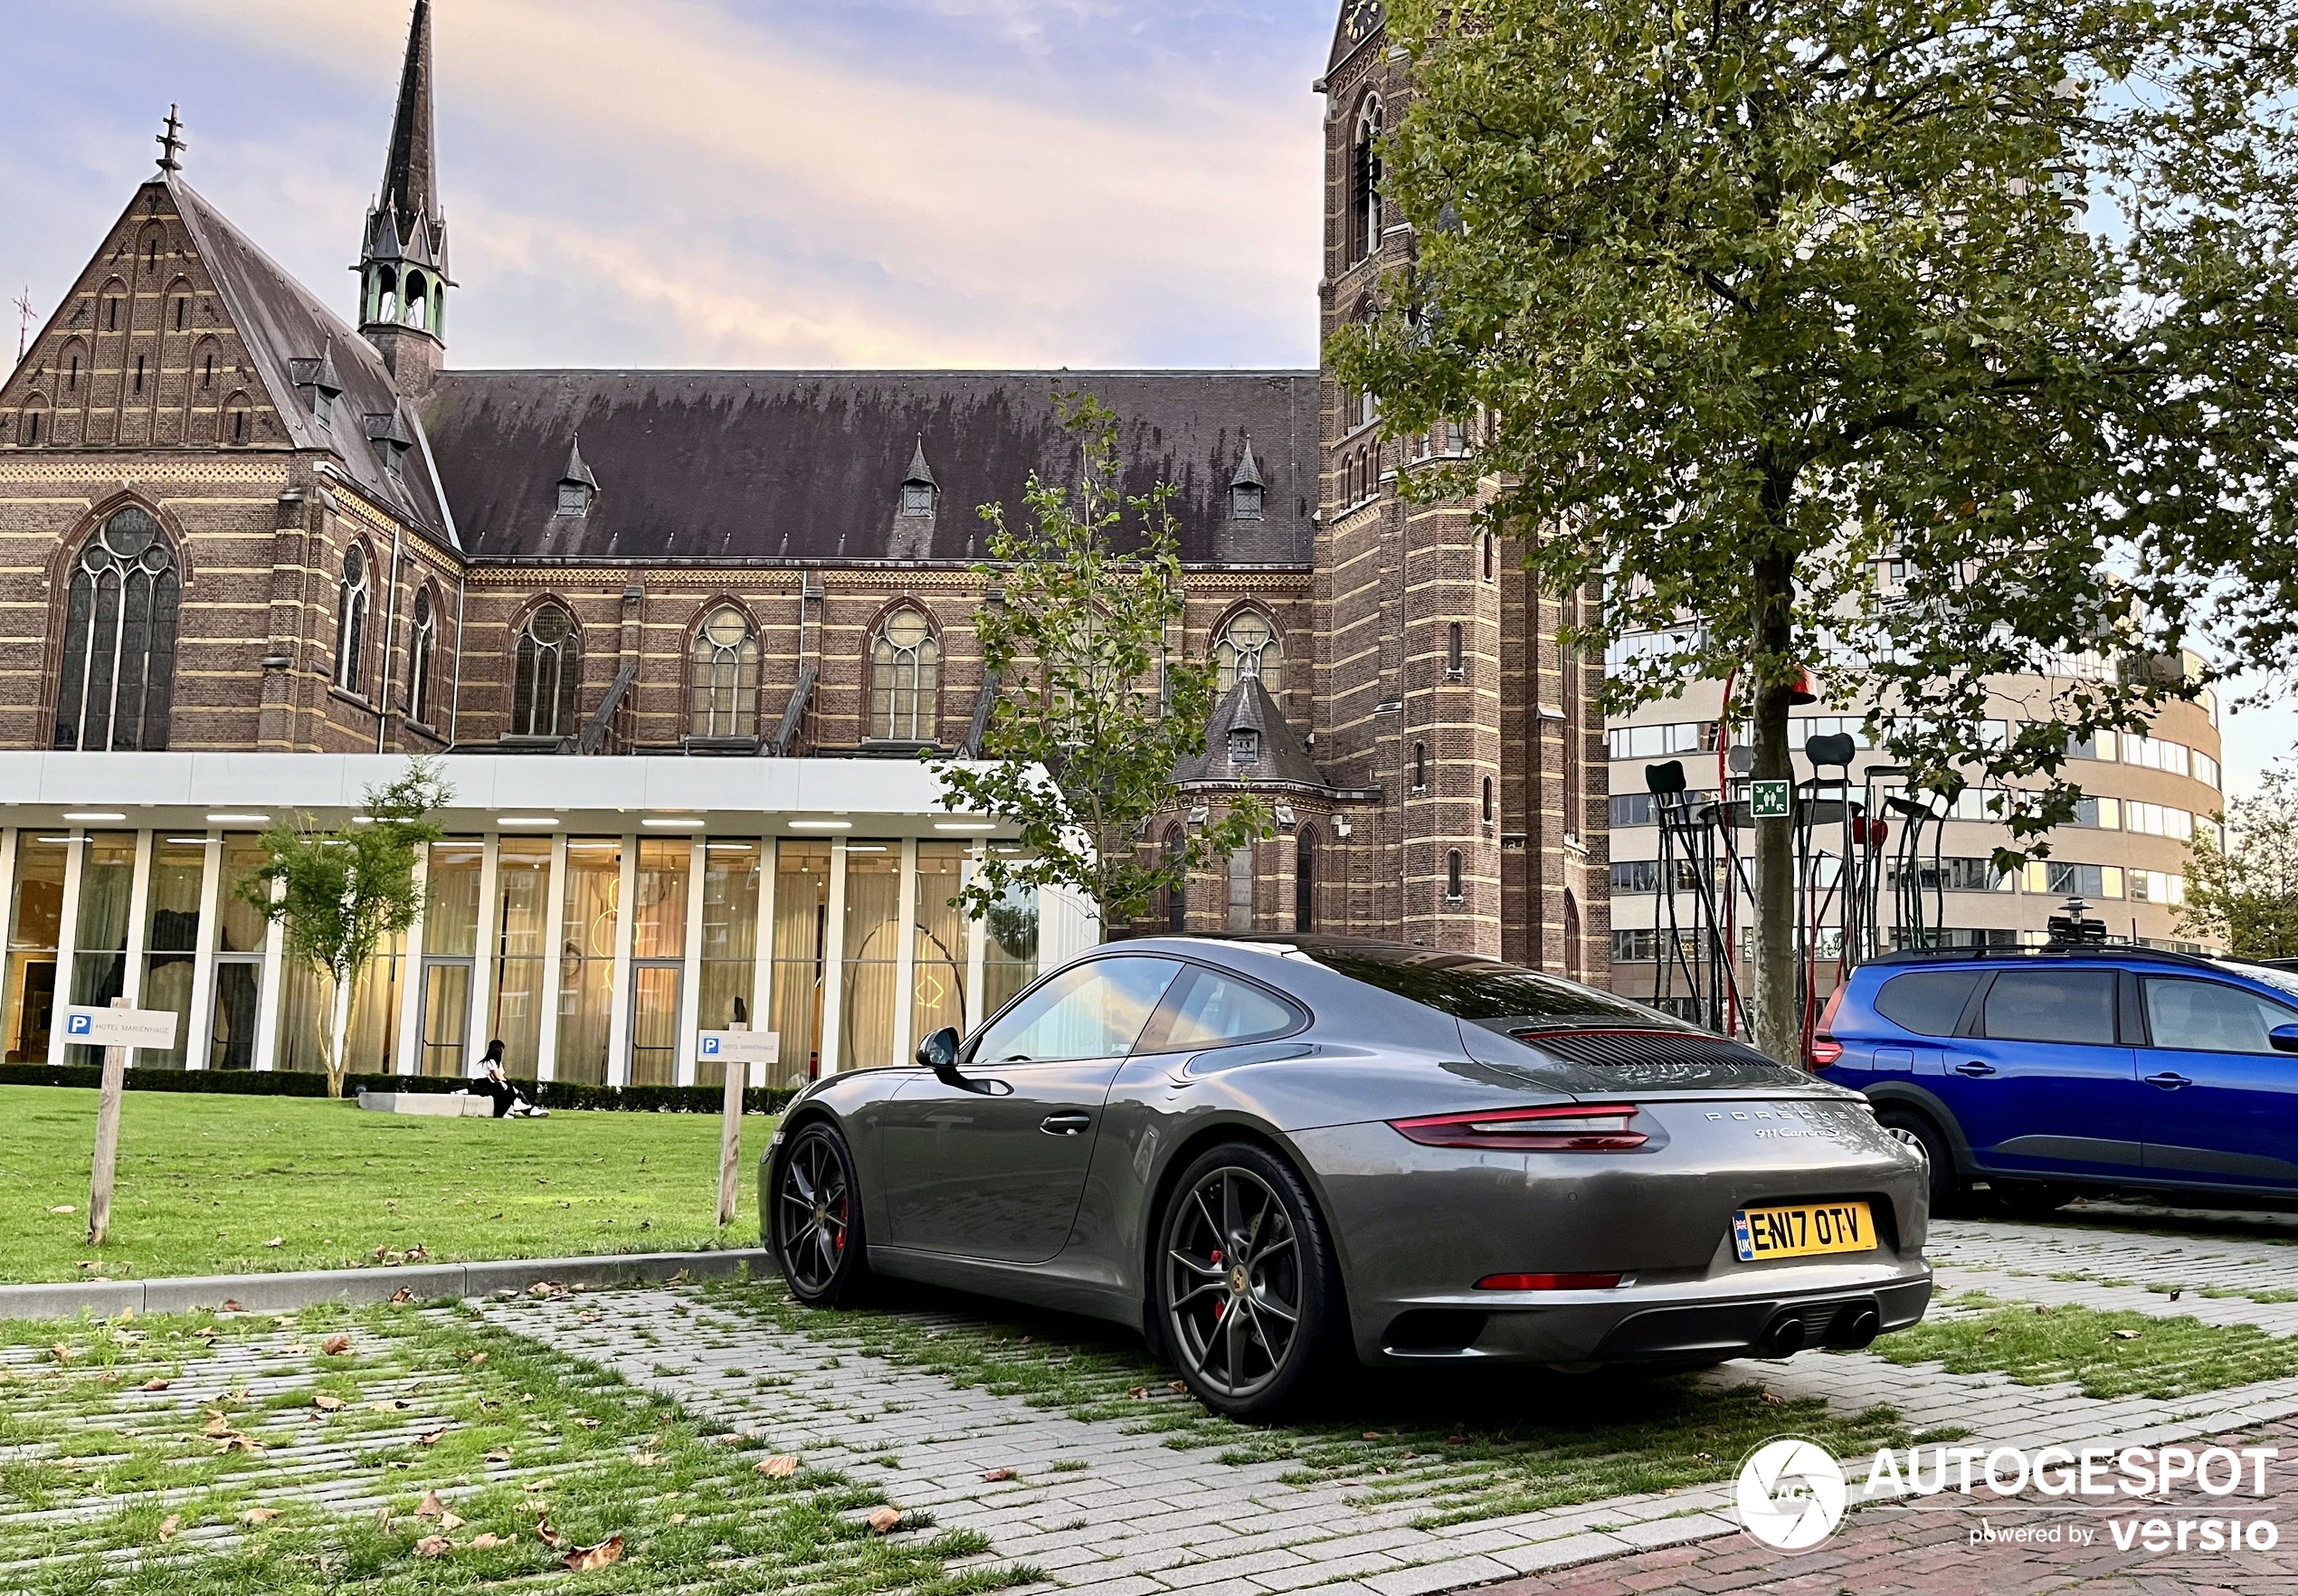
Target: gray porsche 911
[1272, 1157]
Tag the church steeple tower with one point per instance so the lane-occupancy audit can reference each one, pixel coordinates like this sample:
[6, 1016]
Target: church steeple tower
[402, 256]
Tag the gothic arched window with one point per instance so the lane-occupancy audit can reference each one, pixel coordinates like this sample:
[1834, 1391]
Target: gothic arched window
[1248, 646]
[1364, 184]
[1177, 892]
[351, 620]
[905, 679]
[725, 676]
[1305, 880]
[546, 675]
[422, 647]
[119, 667]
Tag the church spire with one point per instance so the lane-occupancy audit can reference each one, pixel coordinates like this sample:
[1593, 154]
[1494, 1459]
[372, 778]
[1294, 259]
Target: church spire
[402, 256]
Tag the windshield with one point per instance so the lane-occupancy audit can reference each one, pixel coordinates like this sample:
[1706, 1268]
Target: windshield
[1482, 991]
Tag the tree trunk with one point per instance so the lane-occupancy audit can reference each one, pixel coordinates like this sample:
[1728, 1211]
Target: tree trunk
[1775, 1024]
[338, 1024]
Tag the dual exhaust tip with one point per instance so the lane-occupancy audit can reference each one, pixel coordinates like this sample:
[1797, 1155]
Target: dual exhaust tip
[1847, 1327]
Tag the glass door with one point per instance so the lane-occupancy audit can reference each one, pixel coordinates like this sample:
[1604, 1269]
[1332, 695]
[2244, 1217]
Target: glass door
[240, 933]
[34, 918]
[446, 1016]
[658, 958]
[654, 1021]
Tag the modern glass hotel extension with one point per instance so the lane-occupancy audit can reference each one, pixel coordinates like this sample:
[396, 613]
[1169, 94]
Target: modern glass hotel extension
[594, 915]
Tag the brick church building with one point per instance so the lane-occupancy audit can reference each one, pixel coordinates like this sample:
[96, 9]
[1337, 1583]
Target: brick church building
[235, 521]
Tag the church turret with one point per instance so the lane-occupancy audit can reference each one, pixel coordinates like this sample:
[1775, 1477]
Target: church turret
[403, 255]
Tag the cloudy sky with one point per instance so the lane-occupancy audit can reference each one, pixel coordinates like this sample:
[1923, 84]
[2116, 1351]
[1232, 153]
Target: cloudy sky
[766, 183]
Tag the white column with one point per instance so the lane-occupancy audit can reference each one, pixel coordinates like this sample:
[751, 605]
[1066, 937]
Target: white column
[482, 964]
[553, 961]
[690, 976]
[977, 958]
[906, 950]
[833, 970]
[7, 913]
[67, 933]
[140, 902]
[762, 945]
[199, 1025]
[618, 1023]
[274, 989]
[410, 1058]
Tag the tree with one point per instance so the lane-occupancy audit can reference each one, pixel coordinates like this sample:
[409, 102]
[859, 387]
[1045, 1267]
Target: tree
[2243, 897]
[1764, 300]
[1089, 689]
[341, 893]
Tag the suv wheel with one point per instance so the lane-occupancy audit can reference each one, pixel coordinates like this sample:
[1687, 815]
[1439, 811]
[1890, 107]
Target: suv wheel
[2031, 1199]
[1909, 1125]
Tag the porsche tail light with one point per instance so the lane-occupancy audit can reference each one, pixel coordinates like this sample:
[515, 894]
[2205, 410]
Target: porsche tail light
[1563, 1127]
[1548, 1282]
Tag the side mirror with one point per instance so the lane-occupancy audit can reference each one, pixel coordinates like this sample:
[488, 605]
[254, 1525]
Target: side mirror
[938, 1052]
[2284, 1039]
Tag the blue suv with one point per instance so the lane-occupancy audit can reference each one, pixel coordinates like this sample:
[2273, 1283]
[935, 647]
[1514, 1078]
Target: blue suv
[2051, 1072]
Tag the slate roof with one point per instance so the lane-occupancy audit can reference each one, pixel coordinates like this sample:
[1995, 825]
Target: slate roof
[808, 465]
[1283, 761]
[284, 324]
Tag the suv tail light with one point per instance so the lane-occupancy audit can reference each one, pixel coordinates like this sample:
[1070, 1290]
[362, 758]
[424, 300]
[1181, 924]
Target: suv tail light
[1825, 1049]
[1564, 1127]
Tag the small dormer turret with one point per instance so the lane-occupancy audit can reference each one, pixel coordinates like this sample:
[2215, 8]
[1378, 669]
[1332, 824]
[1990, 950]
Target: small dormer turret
[403, 250]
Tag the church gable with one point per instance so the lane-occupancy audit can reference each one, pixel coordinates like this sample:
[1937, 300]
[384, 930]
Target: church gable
[1359, 20]
[142, 352]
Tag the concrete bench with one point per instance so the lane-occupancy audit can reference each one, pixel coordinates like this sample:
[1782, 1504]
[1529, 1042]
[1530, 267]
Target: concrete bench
[439, 1104]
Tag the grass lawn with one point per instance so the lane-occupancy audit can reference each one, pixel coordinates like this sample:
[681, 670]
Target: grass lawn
[424, 1450]
[2107, 1354]
[217, 1185]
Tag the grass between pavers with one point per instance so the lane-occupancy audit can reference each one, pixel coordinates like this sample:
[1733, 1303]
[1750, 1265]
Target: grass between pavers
[207, 1183]
[1479, 1443]
[2106, 1353]
[2261, 1293]
[111, 1485]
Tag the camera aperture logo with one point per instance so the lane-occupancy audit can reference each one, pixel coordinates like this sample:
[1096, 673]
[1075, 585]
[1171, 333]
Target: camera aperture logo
[1791, 1494]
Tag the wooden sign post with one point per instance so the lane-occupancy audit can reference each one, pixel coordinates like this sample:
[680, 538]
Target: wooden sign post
[738, 1049]
[116, 1030]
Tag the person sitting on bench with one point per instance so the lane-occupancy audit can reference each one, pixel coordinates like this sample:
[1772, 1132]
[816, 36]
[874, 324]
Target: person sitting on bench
[509, 1103]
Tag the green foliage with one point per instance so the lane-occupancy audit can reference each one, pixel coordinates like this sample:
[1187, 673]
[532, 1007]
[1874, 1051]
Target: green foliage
[2107, 1354]
[1759, 299]
[341, 893]
[1088, 688]
[2244, 896]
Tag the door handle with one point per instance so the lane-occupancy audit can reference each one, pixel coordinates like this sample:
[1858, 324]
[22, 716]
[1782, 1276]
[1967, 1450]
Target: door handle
[2169, 1080]
[1974, 1067]
[1065, 1124]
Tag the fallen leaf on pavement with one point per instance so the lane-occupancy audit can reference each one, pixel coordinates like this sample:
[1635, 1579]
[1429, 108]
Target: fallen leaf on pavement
[646, 1459]
[217, 1424]
[1775, 1398]
[583, 1559]
[430, 1507]
[239, 1443]
[276, 1242]
[451, 1521]
[61, 1353]
[402, 1294]
[885, 1521]
[2126, 1336]
[64, 1208]
[1139, 1394]
[782, 1466]
[587, 1423]
[434, 1546]
[154, 1384]
[551, 1289]
[1372, 1434]
[547, 1536]
[431, 1437]
[259, 1515]
[335, 1346]
[1177, 1385]
[487, 1542]
[389, 1405]
[417, 1255]
[478, 1358]
[295, 1349]
[994, 1475]
[232, 1306]
[498, 1455]
[326, 1402]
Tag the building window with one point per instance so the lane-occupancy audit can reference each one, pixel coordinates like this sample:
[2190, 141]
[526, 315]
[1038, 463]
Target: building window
[1452, 875]
[1177, 892]
[1490, 564]
[1245, 501]
[1571, 935]
[139, 373]
[32, 427]
[119, 667]
[725, 677]
[1364, 184]
[905, 680]
[1305, 880]
[1488, 800]
[423, 646]
[918, 498]
[549, 672]
[351, 619]
[1420, 767]
[1248, 646]
[1240, 889]
[1455, 647]
[573, 499]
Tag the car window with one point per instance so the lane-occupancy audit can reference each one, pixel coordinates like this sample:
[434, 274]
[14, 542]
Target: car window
[2208, 1017]
[1926, 1002]
[1091, 1010]
[2072, 1006]
[1208, 1008]
[1482, 990]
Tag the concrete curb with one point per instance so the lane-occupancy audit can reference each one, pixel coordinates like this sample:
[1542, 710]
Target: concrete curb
[281, 1293]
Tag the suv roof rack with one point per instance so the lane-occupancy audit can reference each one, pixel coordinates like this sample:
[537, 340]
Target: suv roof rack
[2057, 950]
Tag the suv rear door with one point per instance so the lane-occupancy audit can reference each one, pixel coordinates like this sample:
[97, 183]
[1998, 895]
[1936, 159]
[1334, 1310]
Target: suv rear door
[2220, 1104]
[2040, 1082]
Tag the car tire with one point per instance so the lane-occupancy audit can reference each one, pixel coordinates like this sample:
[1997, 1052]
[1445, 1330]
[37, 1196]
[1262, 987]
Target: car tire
[2031, 1200]
[1946, 1185]
[1244, 1291]
[817, 1219]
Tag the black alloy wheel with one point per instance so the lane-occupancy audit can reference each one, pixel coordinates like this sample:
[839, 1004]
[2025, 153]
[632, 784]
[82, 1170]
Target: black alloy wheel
[818, 1219]
[1247, 1297]
[1913, 1127]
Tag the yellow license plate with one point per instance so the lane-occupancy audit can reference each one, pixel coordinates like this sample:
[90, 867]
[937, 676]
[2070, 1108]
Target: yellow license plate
[1802, 1232]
